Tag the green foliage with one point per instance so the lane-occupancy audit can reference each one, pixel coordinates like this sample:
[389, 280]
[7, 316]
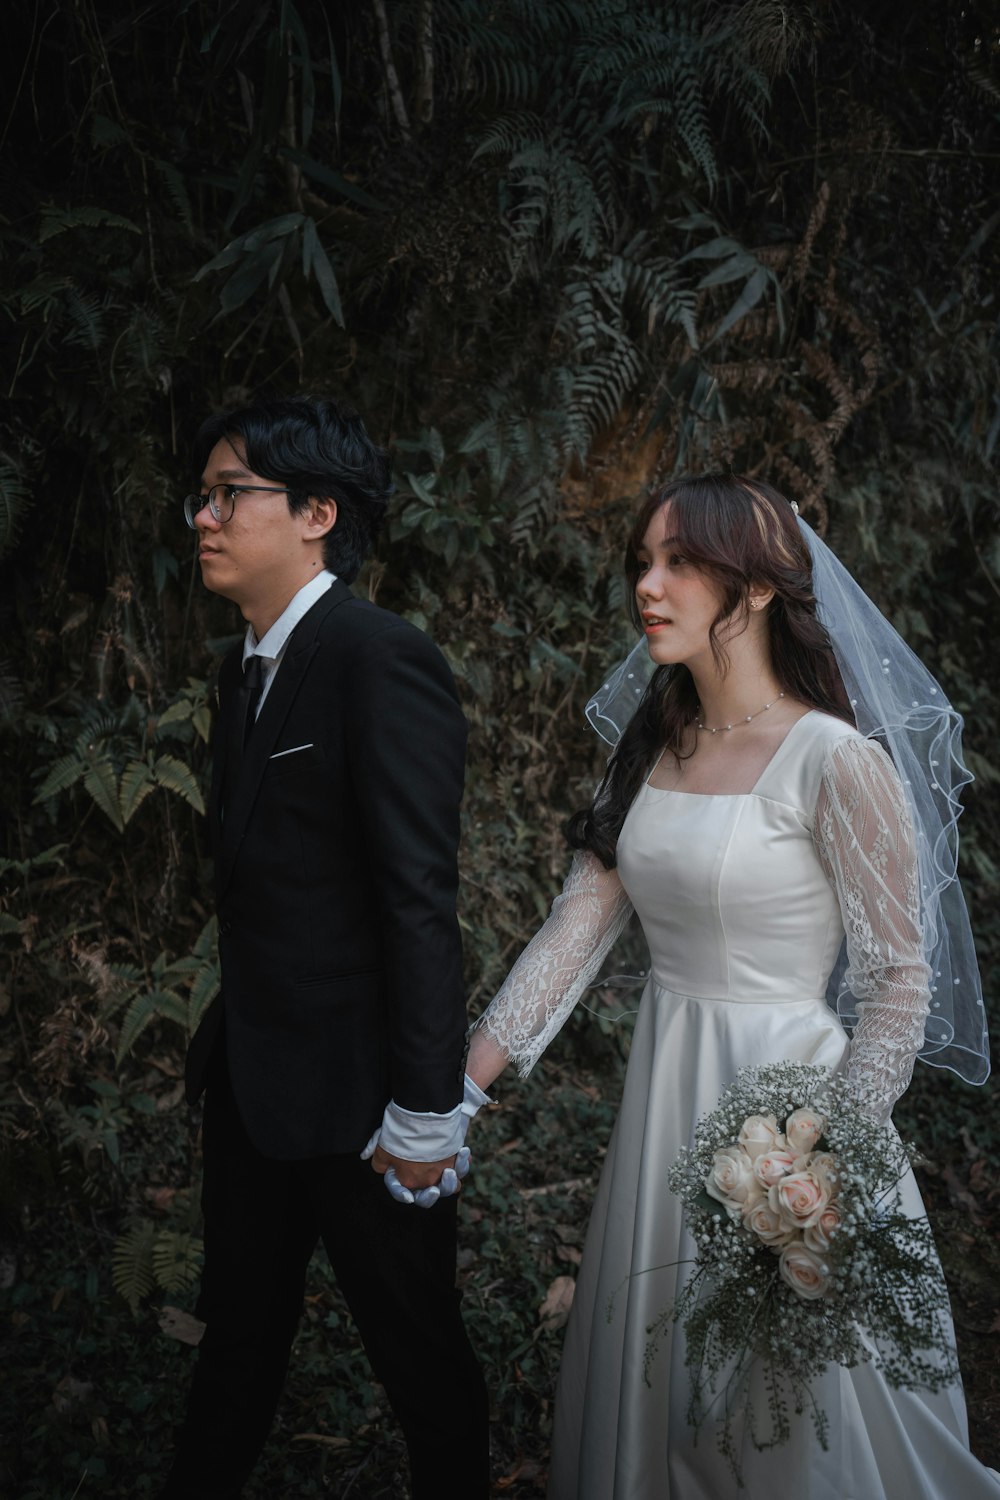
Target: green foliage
[176, 990]
[584, 246]
[147, 1258]
[132, 1263]
[119, 794]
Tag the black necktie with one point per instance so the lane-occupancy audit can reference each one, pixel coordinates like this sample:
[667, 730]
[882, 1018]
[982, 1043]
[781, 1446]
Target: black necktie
[245, 701]
[250, 690]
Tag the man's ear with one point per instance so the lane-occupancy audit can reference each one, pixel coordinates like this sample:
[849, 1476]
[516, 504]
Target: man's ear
[321, 516]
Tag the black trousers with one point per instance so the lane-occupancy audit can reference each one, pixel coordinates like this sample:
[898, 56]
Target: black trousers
[396, 1267]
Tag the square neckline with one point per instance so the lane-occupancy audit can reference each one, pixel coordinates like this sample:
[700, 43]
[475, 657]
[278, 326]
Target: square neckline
[669, 791]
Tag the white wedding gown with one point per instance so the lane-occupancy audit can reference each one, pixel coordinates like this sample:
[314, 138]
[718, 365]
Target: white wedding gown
[744, 901]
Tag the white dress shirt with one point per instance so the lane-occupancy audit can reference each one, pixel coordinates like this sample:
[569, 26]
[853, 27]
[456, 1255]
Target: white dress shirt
[271, 647]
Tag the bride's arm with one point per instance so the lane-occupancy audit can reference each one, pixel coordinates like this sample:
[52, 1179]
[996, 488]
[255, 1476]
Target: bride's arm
[562, 959]
[865, 838]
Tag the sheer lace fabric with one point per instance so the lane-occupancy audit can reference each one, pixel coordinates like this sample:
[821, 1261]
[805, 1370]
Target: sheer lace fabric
[864, 840]
[864, 835]
[562, 960]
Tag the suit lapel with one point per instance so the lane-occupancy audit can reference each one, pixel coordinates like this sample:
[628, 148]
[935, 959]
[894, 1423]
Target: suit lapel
[291, 673]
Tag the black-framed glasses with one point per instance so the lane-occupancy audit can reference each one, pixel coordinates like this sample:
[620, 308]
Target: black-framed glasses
[221, 500]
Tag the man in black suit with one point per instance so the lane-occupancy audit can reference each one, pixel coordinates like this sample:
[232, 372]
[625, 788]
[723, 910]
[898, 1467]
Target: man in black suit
[338, 770]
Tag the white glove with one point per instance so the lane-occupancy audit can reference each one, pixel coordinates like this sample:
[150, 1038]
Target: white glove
[472, 1103]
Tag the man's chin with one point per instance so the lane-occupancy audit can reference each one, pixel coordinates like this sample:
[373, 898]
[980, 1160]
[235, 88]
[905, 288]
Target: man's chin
[213, 578]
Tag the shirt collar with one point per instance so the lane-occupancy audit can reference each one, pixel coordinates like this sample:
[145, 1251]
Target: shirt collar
[273, 642]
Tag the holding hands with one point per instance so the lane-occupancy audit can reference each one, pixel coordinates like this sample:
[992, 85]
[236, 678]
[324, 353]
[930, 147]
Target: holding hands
[417, 1181]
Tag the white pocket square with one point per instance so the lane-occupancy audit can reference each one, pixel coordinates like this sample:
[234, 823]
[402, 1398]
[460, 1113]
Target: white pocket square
[293, 751]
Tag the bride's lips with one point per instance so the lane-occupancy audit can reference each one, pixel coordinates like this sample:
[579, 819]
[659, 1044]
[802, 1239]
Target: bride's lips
[654, 626]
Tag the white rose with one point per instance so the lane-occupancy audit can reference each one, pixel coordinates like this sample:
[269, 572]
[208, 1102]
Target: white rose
[799, 1198]
[755, 1194]
[768, 1226]
[772, 1165]
[803, 1129]
[760, 1133]
[804, 1271]
[730, 1178]
[817, 1236]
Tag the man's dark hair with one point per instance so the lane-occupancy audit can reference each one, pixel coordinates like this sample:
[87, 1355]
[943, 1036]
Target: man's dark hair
[315, 447]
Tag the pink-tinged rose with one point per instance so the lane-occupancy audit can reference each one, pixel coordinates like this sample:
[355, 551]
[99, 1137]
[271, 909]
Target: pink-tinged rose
[803, 1129]
[804, 1271]
[768, 1226]
[770, 1166]
[817, 1236]
[799, 1198]
[730, 1179]
[760, 1133]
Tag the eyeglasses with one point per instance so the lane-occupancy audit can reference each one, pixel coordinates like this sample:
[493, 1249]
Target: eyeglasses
[221, 500]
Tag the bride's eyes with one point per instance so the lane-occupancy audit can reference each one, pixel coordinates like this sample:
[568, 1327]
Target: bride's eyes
[677, 560]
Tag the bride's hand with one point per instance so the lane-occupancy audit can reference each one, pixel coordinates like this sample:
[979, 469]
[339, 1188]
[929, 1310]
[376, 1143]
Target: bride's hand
[426, 1197]
[419, 1182]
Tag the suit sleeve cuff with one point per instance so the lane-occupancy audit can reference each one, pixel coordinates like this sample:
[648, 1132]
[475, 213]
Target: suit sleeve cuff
[420, 1137]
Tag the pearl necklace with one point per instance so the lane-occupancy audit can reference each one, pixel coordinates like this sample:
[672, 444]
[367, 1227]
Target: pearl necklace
[724, 727]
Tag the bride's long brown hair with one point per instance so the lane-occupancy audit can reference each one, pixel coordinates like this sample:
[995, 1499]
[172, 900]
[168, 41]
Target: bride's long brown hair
[737, 532]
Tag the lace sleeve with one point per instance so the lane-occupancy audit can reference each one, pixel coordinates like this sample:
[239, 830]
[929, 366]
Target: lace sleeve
[865, 838]
[562, 959]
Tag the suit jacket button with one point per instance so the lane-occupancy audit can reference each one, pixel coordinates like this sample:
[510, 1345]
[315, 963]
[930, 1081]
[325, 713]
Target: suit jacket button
[225, 927]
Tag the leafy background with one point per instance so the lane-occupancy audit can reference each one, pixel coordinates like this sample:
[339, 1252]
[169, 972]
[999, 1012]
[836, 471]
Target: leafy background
[554, 253]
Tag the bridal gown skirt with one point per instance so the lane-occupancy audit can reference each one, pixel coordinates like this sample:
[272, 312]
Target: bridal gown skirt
[617, 1437]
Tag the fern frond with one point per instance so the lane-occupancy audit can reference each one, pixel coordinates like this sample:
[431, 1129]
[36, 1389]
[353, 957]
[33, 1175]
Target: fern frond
[51, 856]
[115, 984]
[86, 316]
[655, 286]
[600, 389]
[43, 295]
[14, 500]
[509, 133]
[99, 723]
[132, 1263]
[177, 777]
[207, 942]
[65, 773]
[136, 784]
[176, 1260]
[176, 191]
[153, 1005]
[556, 187]
[100, 781]
[204, 988]
[58, 221]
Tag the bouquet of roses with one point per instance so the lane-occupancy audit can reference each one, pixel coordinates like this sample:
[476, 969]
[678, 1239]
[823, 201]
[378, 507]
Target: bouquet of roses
[804, 1256]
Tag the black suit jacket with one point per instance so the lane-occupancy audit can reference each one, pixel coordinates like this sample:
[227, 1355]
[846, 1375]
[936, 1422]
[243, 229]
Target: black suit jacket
[336, 878]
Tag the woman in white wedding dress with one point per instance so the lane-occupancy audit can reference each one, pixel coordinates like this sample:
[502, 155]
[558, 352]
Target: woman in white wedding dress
[751, 827]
